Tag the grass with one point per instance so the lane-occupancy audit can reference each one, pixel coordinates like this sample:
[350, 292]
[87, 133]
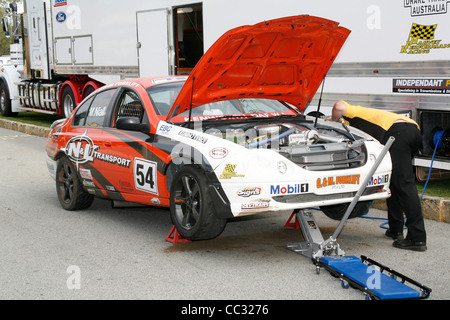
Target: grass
[435, 188]
[36, 118]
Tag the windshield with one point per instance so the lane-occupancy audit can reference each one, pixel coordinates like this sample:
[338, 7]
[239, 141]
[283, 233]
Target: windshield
[163, 96]
[261, 108]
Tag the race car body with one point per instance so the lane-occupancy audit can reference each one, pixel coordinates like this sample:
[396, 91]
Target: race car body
[228, 140]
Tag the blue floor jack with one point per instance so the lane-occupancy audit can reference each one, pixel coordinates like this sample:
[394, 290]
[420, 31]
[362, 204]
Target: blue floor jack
[375, 280]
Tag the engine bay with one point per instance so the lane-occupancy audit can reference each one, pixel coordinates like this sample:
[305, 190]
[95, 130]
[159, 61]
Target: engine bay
[313, 147]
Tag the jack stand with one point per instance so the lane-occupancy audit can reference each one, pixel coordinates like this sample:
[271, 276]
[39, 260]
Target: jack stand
[175, 237]
[293, 224]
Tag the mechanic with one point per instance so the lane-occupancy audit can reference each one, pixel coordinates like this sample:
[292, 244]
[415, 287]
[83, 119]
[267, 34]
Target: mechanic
[381, 125]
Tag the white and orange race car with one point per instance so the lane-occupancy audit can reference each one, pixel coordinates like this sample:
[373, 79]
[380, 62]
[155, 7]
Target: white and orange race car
[228, 140]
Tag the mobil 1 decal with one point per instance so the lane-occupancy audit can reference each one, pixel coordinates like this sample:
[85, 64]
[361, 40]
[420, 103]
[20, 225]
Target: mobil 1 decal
[145, 175]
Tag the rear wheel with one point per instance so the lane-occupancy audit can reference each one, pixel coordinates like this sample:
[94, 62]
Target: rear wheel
[88, 91]
[67, 101]
[191, 208]
[69, 188]
[337, 212]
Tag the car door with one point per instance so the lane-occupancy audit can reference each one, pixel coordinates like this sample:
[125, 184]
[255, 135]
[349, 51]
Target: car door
[86, 146]
[131, 169]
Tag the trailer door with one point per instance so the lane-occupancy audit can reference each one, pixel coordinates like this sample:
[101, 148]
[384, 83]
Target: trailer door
[37, 50]
[154, 47]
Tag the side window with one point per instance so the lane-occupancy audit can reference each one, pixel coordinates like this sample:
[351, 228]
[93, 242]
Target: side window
[99, 109]
[80, 116]
[130, 106]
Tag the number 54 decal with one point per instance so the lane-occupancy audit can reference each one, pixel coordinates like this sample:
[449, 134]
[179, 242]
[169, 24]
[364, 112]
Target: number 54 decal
[145, 175]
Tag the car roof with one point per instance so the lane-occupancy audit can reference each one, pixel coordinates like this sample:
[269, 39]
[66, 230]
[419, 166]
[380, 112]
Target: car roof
[146, 82]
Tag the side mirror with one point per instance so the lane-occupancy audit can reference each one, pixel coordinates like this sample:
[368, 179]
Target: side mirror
[5, 25]
[131, 123]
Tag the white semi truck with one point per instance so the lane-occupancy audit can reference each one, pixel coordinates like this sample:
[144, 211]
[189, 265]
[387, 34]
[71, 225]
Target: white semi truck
[397, 56]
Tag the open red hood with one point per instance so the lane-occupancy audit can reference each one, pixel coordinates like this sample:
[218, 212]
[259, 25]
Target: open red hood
[284, 59]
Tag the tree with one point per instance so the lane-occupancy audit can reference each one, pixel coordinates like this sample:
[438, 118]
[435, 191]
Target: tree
[5, 42]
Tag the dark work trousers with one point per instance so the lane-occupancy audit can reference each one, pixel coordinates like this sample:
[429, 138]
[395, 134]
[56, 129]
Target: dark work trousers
[405, 198]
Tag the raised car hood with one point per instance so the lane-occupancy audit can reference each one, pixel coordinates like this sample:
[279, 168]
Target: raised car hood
[284, 59]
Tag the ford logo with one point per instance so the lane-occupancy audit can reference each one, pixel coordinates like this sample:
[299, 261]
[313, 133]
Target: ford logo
[60, 17]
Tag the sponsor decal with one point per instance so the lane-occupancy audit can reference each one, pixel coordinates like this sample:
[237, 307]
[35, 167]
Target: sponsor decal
[250, 115]
[164, 129]
[312, 225]
[255, 205]
[249, 191]
[333, 181]
[193, 136]
[433, 86]
[60, 3]
[88, 183]
[81, 149]
[110, 188]
[229, 172]
[168, 79]
[374, 181]
[123, 83]
[289, 189]
[125, 185]
[86, 174]
[218, 153]
[60, 17]
[421, 40]
[123, 162]
[425, 7]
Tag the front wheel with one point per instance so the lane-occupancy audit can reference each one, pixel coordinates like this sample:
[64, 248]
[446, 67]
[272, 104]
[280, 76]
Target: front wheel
[191, 207]
[337, 212]
[5, 102]
[69, 188]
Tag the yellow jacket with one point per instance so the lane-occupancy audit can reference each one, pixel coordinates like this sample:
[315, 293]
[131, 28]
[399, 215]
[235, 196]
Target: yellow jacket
[373, 121]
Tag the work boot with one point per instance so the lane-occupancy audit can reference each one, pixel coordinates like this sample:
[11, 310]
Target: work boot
[410, 245]
[394, 235]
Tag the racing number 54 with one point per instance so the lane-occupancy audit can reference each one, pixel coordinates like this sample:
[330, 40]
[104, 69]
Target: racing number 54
[145, 175]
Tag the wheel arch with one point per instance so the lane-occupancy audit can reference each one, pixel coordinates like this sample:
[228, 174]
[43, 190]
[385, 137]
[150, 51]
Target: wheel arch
[90, 84]
[76, 87]
[216, 192]
[8, 104]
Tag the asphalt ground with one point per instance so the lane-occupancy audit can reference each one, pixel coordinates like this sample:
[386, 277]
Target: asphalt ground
[106, 253]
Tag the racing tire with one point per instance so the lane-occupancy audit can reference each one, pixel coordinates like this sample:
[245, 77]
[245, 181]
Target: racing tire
[5, 102]
[88, 91]
[191, 209]
[337, 211]
[67, 101]
[69, 188]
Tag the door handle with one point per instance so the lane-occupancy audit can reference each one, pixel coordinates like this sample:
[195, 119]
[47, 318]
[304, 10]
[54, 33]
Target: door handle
[107, 144]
